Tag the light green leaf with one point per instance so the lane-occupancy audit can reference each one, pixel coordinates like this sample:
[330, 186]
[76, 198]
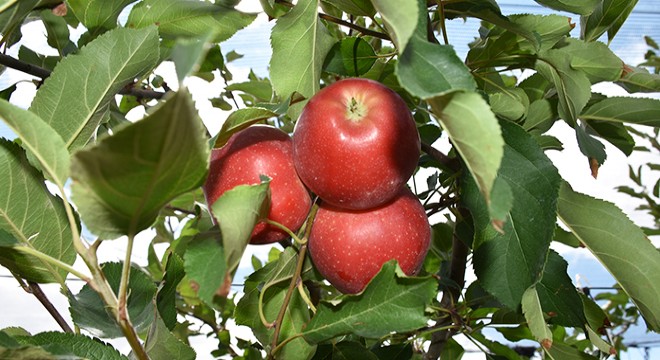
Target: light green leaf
[121, 184]
[595, 59]
[639, 111]
[33, 217]
[205, 265]
[507, 263]
[65, 344]
[400, 16]
[188, 54]
[300, 44]
[561, 351]
[41, 141]
[634, 263]
[162, 344]
[637, 79]
[531, 307]
[599, 342]
[98, 16]
[605, 16]
[189, 18]
[583, 7]
[75, 98]
[509, 103]
[239, 120]
[573, 86]
[237, 212]
[557, 293]
[474, 131]
[89, 312]
[427, 70]
[351, 56]
[270, 283]
[389, 303]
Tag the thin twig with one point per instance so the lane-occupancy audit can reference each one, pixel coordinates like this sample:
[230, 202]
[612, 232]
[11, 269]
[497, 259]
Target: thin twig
[439, 156]
[42, 73]
[43, 299]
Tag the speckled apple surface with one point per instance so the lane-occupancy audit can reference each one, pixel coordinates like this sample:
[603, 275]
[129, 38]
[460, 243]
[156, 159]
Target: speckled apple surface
[349, 247]
[261, 150]
[356, 144]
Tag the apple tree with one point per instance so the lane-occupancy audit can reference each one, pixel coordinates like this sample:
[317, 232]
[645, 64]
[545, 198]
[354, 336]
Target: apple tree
[79, 175]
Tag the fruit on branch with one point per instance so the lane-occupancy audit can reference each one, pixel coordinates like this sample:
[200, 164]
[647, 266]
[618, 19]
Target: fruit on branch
[254, 151]
[348, 247]
[356, 144]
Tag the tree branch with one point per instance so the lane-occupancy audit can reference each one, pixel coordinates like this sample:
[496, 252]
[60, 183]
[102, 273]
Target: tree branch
[450, 296]
[42, 73]
[439, 156]
[39, 294]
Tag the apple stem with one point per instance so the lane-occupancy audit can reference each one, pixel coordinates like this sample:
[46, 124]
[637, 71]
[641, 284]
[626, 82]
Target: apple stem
[306, 298]
[286, 230]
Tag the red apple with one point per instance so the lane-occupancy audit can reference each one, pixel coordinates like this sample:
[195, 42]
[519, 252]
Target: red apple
[349, 247]
[355, 144]
[254, 151]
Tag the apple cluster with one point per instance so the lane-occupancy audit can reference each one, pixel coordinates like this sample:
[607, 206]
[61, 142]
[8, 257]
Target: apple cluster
[355, 146]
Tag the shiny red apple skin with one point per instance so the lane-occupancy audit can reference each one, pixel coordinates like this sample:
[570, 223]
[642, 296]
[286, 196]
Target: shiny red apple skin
[355, 144]
[261, 150]
[348, 247]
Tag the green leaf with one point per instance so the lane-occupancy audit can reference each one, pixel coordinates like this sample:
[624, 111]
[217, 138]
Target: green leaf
[507, 263]
[89, 312]
[573, 86]
[400, 16]
[66, 344]
[612, 31]
[98, 16]
[452, 350]
[76, 96]
[531, 307]
[237, 212]
[509, 103]
[605, 16]
[300, 44]
[589, 146]
[261, 90]
[599, 342]
[188, 54]
[474, 131]
[166, 297]
[595, 59]
[427, 70]
[615, 133]
[389, 303]
[639, 111]
[205, 265]
[33, 217]
[540, 116]
[33, 58]
[7, 239]
[43, 144]
[634, 263]
[162, 344]
[121, 184]
[239, 120]
[189, 18]
[58, 33]
[561, 351]
[637, 79]
[345, 350]
[558, 294]
[584, 7]
[566, 237]
[12, 18]
[273, 281]
[352, 56]
[354, 7]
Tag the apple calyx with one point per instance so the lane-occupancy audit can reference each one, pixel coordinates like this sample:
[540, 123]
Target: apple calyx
[356, 111]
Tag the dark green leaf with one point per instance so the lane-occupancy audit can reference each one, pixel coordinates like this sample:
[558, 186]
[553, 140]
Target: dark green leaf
[475, 133]
[64, 344]
[590, 146]
[615, 133]
[452, 350]
[573, 86]
[351, 56]
[540, 116]
[12, 18]
[558, 294]
[605, 16]
[566, 352]
[566, 237]
[162, 344]
[637, 79]
[75, 98]
[6, 93]
[296, 65]
[639, 111]
[345, 350]
[89, 311]
[121, 184]
[584, 7]
[189, 18]
[33, 217]
[397, 352]
[47, 62]
[616, 25]
[239, 120]
[205, 265]
[354, 7]
[237, 212]
[166, 297]
[508, 263]
[601, 226]
[58, 33]
[389, 303]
